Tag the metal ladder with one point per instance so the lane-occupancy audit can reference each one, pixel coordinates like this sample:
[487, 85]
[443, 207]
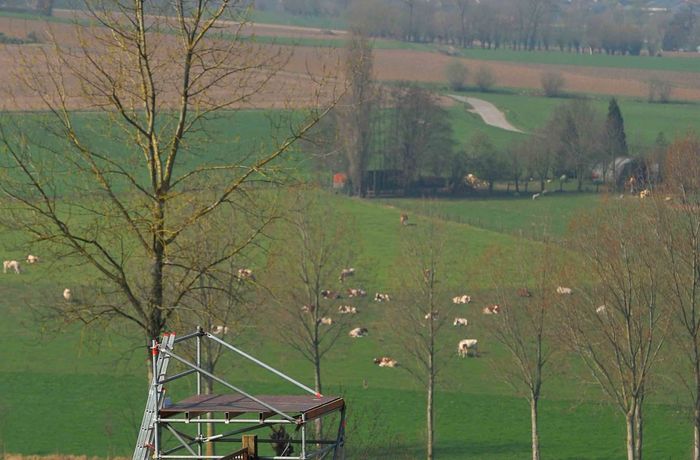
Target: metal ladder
[144, 443]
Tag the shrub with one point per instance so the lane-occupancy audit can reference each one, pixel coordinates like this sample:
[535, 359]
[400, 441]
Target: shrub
[456, 74]
[552, 84]
[484, 79]
[660, 91]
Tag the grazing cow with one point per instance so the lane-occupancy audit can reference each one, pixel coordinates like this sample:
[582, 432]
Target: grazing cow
[326, 321]
[356, 292]
[431, 315]
[67, 294]
[645, 193]
[32, 259]
[460, 322]
[524, 292]
[404, 218]
[386, 361]
[10, 265]
[346, 273]
[536, 196]
[461, 299]
[330, 295]
[217, 330]
[468, 347]
[245, 274]
[308, 308]
[601, 310]
[564, 290]
[358, 332]
[379, 297]
[347, 310]
[491, 310]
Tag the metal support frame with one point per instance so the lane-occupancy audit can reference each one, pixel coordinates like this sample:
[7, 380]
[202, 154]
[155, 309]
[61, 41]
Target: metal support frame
[169, 442]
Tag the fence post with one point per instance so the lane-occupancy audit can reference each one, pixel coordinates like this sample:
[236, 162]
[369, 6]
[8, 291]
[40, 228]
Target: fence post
[250, 442]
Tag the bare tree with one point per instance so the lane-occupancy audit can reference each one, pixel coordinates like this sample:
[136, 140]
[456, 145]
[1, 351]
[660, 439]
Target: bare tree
[617, 326]
[552, 83]
[354, 113]
[156, 80]
[574, 131]
[677, 223]
[484, 79]
[524, 328]
[313, 245]
[456, 73]
[419, 314]
[421, 134]
[539, 156]
[222, 302]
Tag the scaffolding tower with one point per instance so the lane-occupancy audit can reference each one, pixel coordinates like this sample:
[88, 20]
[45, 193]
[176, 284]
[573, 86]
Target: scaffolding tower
[176, 430]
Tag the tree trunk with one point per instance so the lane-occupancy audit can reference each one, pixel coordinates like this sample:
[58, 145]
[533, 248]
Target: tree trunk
[629, 422]
[541, 184]
[696, 412]
[430, 417]
[534, 428]
[696, 433]
[638, 431]
[317, 386]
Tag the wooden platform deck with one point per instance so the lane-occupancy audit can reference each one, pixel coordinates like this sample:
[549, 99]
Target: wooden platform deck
[236, 404]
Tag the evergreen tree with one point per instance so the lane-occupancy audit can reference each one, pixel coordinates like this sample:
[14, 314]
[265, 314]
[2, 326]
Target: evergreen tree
[615, 130]
[616, 140]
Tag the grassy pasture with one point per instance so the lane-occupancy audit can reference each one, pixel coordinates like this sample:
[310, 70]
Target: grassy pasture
[678, 64]
[85, 394]
[643, 121]
[78, 392]
[520, 217]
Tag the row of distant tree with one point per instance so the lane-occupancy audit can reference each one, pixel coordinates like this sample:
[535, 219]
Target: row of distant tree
[40, 6]
[577, 26]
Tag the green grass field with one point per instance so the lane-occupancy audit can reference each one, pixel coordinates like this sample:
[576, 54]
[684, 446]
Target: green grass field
[77, 392]
[73, 391]
[678, 64]
[643, 121]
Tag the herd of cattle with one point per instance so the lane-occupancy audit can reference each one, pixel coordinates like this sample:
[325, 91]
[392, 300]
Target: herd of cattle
[465, 347]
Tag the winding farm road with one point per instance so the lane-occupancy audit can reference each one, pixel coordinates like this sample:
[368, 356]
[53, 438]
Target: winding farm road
[487, 111]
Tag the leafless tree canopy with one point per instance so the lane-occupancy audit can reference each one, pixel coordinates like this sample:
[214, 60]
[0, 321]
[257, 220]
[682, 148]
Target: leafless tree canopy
[421, 312]
[310, 249]
[118, 190]
[617, 323]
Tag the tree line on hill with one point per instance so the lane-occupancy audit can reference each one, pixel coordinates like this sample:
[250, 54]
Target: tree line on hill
[576, 26]
[401, 136]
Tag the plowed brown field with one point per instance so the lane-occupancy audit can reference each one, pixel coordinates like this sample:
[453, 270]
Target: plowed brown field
[294, 86]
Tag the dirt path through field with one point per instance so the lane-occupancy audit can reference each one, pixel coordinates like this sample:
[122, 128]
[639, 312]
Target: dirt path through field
[488, 112]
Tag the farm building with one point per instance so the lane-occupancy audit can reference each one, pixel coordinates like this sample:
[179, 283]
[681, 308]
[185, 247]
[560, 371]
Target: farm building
[620, 171]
